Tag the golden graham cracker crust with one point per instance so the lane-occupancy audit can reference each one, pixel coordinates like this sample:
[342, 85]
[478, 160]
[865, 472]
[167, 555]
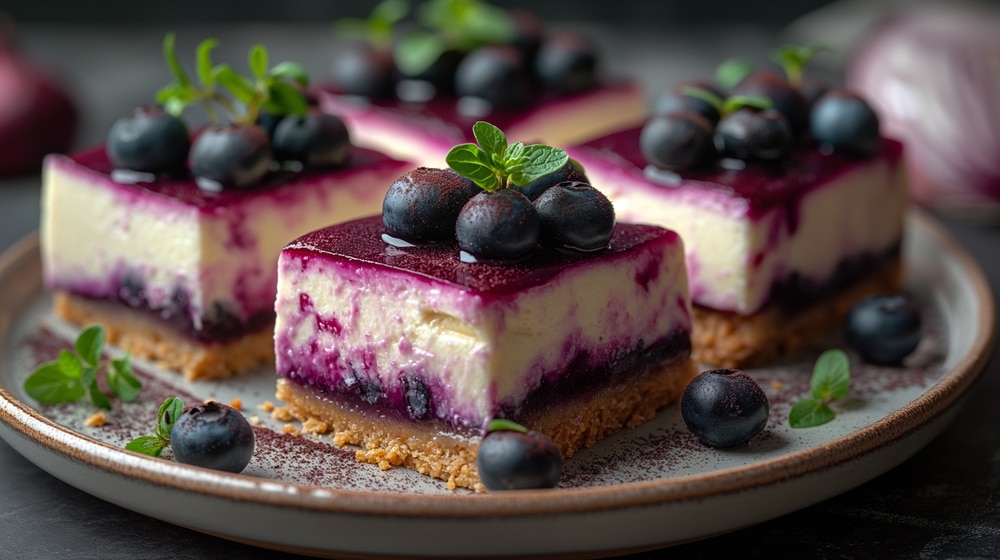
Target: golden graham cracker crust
[572, 424]
[146, 338]
[729, 340]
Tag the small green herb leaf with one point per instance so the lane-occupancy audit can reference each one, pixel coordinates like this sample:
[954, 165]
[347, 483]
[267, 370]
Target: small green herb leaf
[493, 164]
[50, 384]
[537, 160]
[737, 102]
[171, 57]
[502, 424]
[732, 71]
[89, 344]
[808, 413]
[290, 71]
[122, 381]
[204, 62]
[705, 95]
[73, 375]
[417, 51]
[793, 60]
[147, 445]
[284, 99]
[170, 409]
[257, 61]
[241, 88]
[830, 381]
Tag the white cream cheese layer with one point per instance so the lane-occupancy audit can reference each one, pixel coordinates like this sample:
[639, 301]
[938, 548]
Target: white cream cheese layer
[734, 259]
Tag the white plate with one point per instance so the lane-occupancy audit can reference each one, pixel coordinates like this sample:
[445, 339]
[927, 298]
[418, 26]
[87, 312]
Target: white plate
[646, 488]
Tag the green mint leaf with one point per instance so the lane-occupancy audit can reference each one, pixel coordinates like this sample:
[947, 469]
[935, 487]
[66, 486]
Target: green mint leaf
[471, 161]
[502, 424]
[417, 51]
[705, 95]
[285, 99]
[50, 384]
[241, 88]
[171, 57]
[291, 72]
[257, 61]
[170, 409]
[512, 154]
[490, 138]
[537, 160]
[70, 365]
[808, 413]
[487, 24]
[204, 62]
[97, 396]
[89, 344]
[122, 381]
[385, 15]
[732, 71]
[831, 375]
[737, 102]
[793, 60]
[147, 445]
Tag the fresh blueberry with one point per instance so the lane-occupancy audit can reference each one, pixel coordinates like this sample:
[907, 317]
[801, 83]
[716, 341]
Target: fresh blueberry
[568, 172]
[213, 435]
[677, 141]
[678, 100]
[784, 98]
[232, 155]
[724, 408]
[361, 68]
[566, 63]
[513, 460]
[498, 225]
[575, 215]
[269, 121]
[422, 205]
[845, 122]
[884, 329]
[316, 139]
[751, 134]
[148, 139]
[418, 398]
[496, 74]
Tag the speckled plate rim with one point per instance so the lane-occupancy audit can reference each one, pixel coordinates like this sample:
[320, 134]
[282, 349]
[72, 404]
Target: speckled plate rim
[946, 393]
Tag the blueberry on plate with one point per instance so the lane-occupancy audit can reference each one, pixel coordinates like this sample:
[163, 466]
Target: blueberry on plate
[361, 68]
[568, 172]
[213, 435]
[316, 139]
[677, 141]
[845, 122]
[422, 205]
[885, 328]
[232, 155]
[499, 225]
[677, 100]
[148, 139]
[784, 98]
[724, 408]
[575, 215]
[752, 134]
[518, 460]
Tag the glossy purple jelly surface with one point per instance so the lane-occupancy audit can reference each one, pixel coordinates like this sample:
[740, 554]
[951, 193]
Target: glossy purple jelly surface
[361, 240]
[764, 186]
[182, 187]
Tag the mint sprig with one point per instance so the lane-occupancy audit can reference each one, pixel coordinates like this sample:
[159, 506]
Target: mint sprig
[793, 60]
[168, 413]
[504, 425]
[494, 164]
[831, 380]
[75, 374]
[732, 71]
[460, 25]
[277, 89]
[729, 104]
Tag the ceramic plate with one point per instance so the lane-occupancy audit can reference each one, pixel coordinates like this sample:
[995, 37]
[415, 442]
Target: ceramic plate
[645, 488]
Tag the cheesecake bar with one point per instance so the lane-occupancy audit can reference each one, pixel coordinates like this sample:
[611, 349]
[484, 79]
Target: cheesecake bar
[776, 252]
[424, 132]
[409, 352]
[182, 275]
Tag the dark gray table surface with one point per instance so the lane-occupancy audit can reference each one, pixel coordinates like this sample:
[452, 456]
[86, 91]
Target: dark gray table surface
[942, 503]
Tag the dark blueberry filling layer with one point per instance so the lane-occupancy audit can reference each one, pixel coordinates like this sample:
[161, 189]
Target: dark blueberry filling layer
[795, 292]
[415, 400]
